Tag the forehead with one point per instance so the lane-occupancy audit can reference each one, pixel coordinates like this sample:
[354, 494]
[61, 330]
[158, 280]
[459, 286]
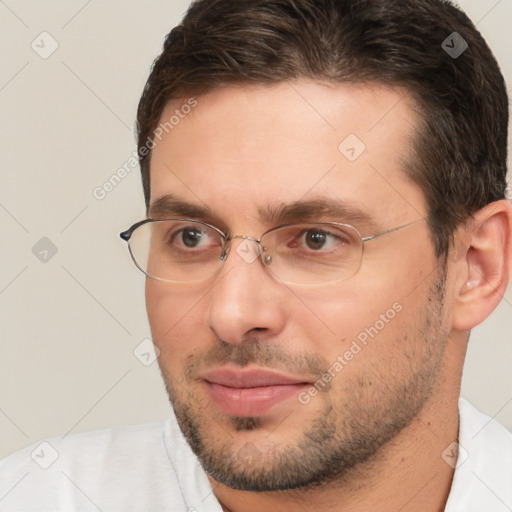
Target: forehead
[241, 149]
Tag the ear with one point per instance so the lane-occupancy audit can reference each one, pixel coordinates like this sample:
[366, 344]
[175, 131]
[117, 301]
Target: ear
[483, 266]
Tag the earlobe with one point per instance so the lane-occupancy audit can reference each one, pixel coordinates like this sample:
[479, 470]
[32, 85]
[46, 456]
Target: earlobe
[483, 270]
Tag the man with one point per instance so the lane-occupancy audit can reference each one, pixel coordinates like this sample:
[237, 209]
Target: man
[325, 183]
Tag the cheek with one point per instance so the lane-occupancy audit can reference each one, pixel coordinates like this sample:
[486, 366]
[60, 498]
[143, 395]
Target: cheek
[373, 341]
[176, 321]
[365, 311]
[341, 312]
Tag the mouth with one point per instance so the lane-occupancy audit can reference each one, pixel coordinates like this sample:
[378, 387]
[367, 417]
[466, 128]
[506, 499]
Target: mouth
[250, 392]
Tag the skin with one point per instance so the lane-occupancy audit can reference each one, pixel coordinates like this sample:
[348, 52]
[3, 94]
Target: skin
[246, 148]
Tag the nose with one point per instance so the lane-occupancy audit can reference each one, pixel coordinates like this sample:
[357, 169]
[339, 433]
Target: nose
[245, 298]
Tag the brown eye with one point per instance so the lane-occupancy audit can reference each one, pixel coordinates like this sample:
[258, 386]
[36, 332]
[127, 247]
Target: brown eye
[316, 240]
[191, 237]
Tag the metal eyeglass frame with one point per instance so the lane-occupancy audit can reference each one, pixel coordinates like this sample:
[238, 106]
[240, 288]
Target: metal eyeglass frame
[227, 238]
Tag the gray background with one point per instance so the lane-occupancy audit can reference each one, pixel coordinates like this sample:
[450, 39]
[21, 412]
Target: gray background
[71, 320]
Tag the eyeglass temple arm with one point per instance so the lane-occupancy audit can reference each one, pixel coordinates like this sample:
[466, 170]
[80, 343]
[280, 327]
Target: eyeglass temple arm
[126, 235]
[368, 238]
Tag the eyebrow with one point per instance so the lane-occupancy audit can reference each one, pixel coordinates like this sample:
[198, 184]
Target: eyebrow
[170, 206]
[319, 210]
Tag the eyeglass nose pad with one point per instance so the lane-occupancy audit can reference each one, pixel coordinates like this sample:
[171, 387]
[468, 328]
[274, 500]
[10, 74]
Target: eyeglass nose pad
[225, 253]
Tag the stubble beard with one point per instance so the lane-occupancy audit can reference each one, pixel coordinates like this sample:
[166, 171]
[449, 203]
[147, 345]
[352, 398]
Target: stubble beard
[366, 412]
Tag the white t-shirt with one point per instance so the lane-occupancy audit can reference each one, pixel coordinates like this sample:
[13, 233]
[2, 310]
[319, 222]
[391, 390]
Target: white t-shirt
[151, 468]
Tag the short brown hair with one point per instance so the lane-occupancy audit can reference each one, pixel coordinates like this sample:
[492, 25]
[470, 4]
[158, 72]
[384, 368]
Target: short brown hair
[460, 151]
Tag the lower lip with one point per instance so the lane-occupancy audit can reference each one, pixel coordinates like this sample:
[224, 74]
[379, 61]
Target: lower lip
[250, 402]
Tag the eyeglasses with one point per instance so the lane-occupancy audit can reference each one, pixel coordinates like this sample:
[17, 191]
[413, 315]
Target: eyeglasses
[188, 251]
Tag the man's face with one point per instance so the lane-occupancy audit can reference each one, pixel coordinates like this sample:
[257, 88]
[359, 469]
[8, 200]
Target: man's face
[278, 386]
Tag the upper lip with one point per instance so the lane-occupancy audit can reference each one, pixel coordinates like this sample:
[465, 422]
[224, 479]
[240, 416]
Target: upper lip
[249, 377]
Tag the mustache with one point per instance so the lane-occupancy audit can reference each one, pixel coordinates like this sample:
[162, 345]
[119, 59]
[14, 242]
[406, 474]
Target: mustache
[263, 354]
